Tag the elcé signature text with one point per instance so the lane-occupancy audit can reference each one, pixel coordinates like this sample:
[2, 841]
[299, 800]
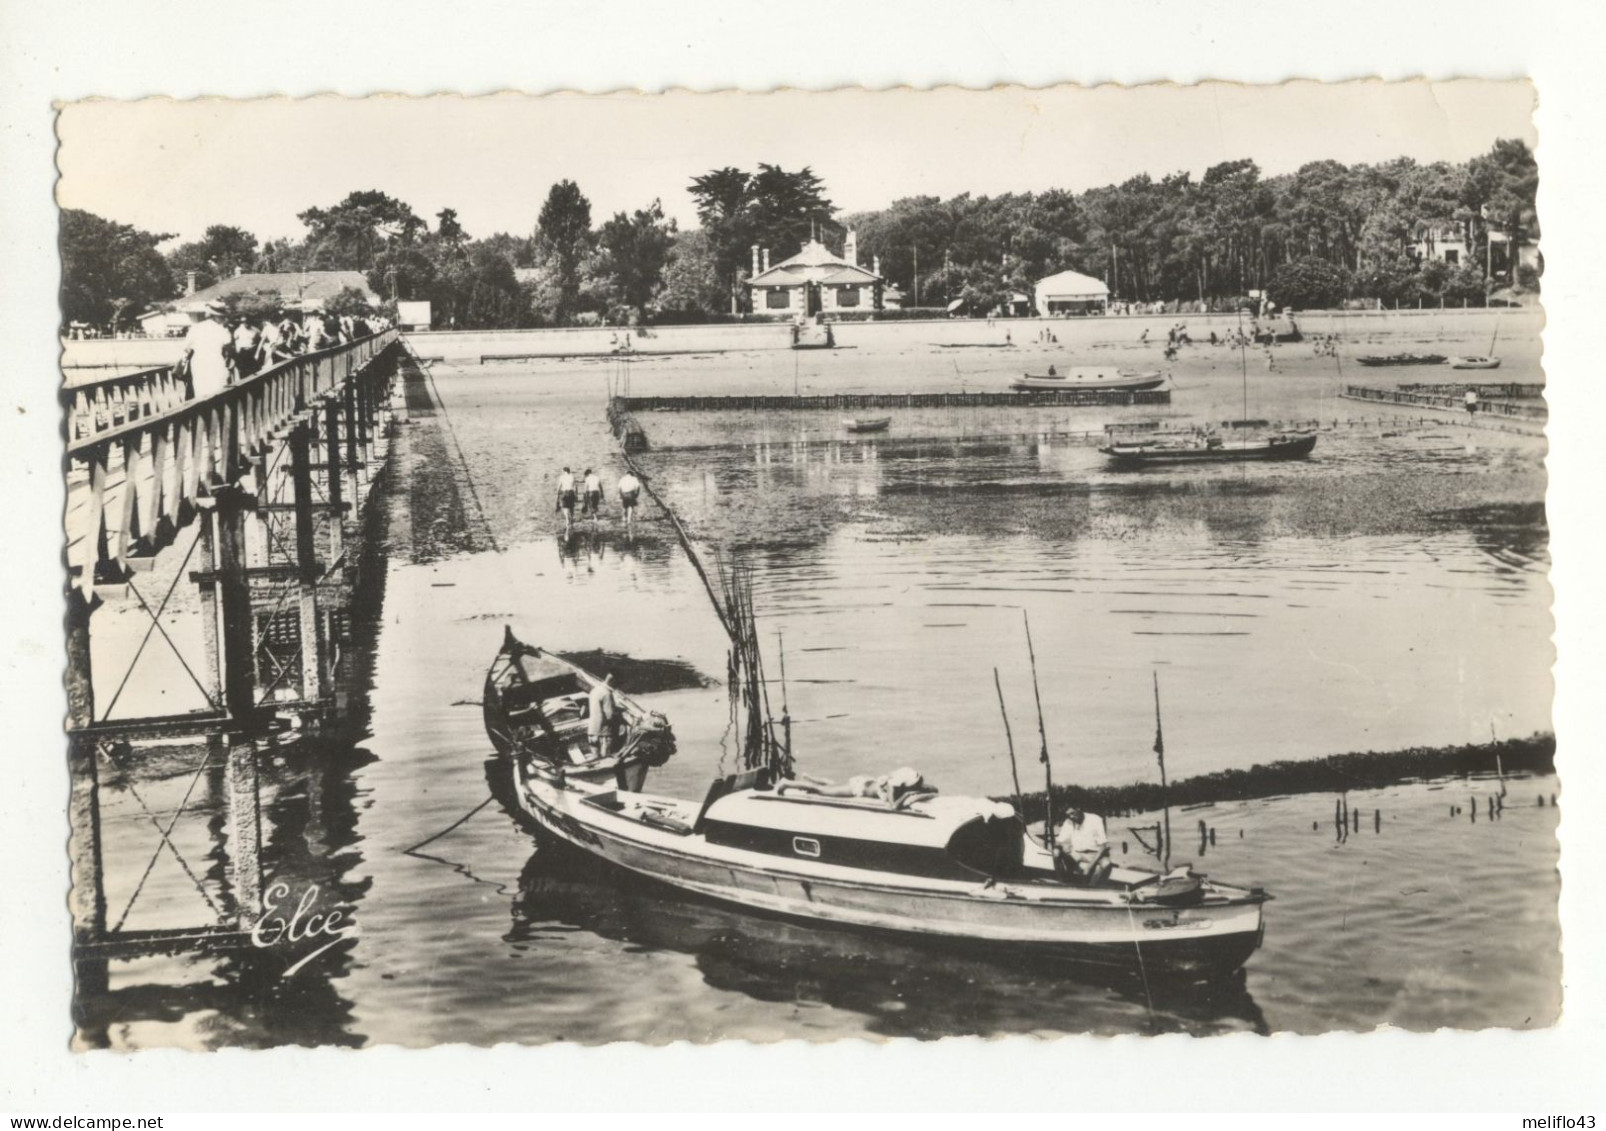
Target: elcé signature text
[305, 922]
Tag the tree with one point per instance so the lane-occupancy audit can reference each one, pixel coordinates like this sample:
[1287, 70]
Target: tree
[691, 277]
[224, 251]
[563, 240]
[771, 208]
[1310, 283]
[633, 251]
[351, 235]
[349, 300]
[109, 268]
[405, 273]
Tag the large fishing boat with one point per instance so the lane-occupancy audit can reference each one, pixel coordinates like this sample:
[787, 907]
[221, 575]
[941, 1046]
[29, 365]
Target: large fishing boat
[956, 869]
[537, 708]
[1089, 377]
[1209, 447]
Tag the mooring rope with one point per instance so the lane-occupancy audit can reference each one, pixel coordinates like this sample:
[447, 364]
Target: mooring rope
[681, 536]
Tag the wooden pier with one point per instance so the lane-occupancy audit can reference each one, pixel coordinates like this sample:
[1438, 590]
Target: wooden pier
[267, 483]
[1516, 401]
[838, 402]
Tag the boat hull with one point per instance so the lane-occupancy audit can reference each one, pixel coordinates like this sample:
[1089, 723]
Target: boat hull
[1138, 456]
[1375, 361]
[1133, 384]
[1097, 929]
[1474, 363]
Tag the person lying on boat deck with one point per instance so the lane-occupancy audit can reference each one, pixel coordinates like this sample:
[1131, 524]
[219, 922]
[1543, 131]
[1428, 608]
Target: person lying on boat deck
[1082, 847]
[896, 789]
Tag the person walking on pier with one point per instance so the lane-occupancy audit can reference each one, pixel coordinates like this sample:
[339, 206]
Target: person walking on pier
[593, 500]
[629, 493]
[247, 341]
[566, 499]
[208, 347]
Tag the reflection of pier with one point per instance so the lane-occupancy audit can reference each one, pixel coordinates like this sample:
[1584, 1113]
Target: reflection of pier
[255, 496]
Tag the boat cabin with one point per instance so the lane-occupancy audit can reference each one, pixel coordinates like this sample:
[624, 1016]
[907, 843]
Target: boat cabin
[954, 838]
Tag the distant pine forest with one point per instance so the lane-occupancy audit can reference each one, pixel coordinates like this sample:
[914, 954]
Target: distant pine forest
[1398, 233]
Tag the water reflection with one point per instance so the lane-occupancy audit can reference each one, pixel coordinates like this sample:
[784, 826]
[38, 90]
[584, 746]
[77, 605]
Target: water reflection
[899, 988]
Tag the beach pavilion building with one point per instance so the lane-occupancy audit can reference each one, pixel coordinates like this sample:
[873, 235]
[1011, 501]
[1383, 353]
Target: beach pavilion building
[1071, 292]
[814, 281]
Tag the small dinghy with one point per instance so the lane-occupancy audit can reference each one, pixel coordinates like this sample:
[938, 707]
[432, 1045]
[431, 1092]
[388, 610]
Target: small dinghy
[1475, 362]
[870, 424]
[1376, 359]
[537, 709]
[1089, 377]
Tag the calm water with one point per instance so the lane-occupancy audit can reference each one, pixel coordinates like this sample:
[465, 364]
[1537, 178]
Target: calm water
[1391, 592]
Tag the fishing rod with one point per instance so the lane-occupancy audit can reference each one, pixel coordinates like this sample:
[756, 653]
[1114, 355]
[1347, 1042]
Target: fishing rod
[1042, 734]
[1165, 790]
[1009, 738]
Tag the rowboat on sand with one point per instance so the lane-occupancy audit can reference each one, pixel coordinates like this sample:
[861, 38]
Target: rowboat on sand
[537, 709]
[867, 424]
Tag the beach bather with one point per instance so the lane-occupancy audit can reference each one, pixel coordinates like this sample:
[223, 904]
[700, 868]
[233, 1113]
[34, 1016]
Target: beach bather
[895, 789]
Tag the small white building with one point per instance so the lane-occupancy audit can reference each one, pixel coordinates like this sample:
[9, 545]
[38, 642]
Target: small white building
[1071, 292]
[814, 281]
[1447, 243]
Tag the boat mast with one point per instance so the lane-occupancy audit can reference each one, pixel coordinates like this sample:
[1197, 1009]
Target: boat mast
[1165, 790]
[1042, 734]
[1009, 738]
[786, 711]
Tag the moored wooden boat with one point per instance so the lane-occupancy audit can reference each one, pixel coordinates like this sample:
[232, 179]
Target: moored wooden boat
[1475, 361]
[537, 709]
[1089, 377]
[951, 868]
[867, 424]
[1376, 359]
[1209, 447]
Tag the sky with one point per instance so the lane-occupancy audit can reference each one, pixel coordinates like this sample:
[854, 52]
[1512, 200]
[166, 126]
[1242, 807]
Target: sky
[179, 167]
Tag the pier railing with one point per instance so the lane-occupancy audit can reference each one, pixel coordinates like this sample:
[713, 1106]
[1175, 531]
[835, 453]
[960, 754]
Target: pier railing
[1522, 407]
[100, 409]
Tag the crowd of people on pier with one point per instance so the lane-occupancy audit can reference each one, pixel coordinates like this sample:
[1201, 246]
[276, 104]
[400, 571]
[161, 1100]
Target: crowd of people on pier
[220, 350]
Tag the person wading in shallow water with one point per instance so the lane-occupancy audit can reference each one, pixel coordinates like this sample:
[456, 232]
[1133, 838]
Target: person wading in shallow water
[593, 502]
[629, 494]
[566, 499]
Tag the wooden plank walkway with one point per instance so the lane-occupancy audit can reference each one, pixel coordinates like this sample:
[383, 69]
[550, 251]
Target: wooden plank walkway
[1068, 398]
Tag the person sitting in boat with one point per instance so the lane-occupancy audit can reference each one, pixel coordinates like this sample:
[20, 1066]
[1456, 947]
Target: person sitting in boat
[896, 789]
[1052, 372]
[1082, 847]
